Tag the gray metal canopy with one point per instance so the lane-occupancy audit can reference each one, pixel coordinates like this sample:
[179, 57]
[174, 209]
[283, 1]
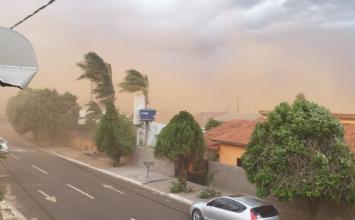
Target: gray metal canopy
[18, 63]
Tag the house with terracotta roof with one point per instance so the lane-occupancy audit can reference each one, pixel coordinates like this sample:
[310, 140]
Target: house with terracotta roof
[227, 142]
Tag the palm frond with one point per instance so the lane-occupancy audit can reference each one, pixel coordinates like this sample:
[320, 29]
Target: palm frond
[135, 81]
[95, 69]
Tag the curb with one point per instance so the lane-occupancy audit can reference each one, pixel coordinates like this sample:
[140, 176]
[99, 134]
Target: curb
[137, 183]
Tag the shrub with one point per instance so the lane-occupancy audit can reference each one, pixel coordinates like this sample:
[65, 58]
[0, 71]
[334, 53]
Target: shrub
[177, 186]
[208, 192]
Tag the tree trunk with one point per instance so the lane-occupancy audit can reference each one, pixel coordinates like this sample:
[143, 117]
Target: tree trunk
[182, 171]
[116, 160]
[183, 165]
[313, 208]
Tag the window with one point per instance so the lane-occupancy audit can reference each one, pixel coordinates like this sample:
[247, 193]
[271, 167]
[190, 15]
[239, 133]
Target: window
[239, 162]
[214, 156]
[235, 206]
[265, 211]
[215, 203]
[227, 204]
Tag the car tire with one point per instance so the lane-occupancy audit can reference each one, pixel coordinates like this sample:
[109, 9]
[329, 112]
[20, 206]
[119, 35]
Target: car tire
[197, 215]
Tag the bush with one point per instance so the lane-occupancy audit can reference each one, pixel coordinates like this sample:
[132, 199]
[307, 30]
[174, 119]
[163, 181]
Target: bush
[208, 192]
[177, 186]
[115, 134]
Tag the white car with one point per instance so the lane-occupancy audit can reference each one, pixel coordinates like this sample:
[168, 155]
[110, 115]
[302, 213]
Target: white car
[3, 146]
[241, 207]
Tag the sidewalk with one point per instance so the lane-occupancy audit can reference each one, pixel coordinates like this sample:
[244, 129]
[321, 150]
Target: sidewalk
[135, 173]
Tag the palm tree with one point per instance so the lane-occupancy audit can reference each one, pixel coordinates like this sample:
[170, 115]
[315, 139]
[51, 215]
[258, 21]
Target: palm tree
[135, 81]
[99, 72]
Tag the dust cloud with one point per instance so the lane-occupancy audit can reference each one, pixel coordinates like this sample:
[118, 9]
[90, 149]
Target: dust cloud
[198, 56]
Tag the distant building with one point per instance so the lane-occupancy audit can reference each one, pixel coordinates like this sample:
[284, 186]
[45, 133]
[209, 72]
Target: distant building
[203, 117]
[82, 117]
[154, 130]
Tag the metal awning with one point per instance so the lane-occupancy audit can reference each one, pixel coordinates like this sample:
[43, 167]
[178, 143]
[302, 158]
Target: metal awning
[18, 63]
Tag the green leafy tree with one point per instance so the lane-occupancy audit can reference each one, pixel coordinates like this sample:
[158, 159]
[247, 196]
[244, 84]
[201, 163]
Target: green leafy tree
[43, 111]
[299, 153]
[181, 141]
[115, 134]
[211, 123]
[93, 115]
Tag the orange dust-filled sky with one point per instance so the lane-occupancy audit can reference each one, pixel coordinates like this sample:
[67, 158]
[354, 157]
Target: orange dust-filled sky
[199, 55]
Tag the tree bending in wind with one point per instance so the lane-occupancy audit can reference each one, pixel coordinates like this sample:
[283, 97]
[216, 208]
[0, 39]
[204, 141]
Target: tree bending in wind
[135, 81]
[95, 69]
[99, 73]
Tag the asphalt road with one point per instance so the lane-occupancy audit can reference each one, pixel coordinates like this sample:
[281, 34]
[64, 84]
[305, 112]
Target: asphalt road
[45, 186]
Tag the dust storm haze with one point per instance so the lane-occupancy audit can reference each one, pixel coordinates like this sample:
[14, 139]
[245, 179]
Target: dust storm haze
[199, 55]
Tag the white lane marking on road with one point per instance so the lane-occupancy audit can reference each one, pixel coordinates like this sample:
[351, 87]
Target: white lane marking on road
[112, 188]
[16, 157]
[82, 192]
[47, 197]
[39, 169]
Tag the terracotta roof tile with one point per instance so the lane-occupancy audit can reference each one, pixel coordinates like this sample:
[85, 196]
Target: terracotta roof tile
[239, 135]
[238, 130]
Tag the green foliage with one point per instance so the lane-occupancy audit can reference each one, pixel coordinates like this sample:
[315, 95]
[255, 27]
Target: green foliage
[93, 115]
[43, 111]
[299, 152]
[115, 134]
[178, 186]
[99, 72]
[208, 192]
[135, 81]
[181, 141]
[211, 123]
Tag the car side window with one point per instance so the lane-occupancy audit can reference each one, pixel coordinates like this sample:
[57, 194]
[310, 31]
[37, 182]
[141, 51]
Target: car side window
[235, 206]
[221, 203]
[214, 203]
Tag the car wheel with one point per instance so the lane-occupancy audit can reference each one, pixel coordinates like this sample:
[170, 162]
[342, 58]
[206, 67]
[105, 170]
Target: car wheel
[197, 215]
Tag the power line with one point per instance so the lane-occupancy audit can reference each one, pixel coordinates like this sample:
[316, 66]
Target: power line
[35, 12]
